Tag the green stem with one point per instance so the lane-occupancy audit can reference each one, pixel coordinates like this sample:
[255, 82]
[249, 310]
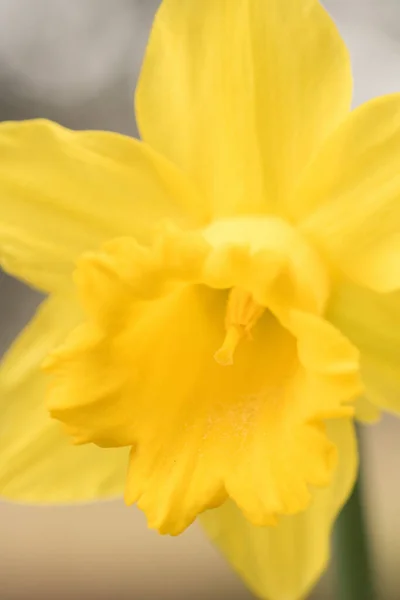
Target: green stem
[353, 563]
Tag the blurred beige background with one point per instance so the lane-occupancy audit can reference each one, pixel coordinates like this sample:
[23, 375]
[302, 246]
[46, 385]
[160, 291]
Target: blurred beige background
[76, 61]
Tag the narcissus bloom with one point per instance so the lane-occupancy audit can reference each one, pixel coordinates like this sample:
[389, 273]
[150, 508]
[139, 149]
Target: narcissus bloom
[223, 294]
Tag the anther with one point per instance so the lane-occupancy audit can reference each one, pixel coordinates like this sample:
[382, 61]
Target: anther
[241, 315]
[224, 356]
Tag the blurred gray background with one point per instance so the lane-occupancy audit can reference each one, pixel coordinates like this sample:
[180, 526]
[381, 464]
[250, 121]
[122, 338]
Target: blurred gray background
[76, 62]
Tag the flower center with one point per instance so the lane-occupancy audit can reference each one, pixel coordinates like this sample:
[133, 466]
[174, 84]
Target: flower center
[268, 265]
[242, 314]
[139, 371]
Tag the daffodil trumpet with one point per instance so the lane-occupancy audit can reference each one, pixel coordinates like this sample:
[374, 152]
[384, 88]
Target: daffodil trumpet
[222, 294]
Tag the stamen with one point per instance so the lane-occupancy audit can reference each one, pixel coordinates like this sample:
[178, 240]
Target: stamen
[224, 356]
[241, 315]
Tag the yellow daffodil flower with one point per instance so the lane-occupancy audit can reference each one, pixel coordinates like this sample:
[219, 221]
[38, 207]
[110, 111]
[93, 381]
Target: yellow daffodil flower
[223, 294]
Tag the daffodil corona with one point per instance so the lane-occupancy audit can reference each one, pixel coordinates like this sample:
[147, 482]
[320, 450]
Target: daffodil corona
[208, 353]
[223, 294]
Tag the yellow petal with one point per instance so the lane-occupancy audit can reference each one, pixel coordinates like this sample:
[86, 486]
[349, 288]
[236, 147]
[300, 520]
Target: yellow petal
[283, 562]
[38, 462]
[141, 372]
[349, 200]
[241, 95]
[372, 322]
[63, 192]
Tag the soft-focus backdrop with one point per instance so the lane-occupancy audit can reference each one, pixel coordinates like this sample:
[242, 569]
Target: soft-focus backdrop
[76, 62]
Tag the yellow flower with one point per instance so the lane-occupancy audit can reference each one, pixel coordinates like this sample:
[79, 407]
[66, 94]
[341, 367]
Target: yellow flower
[234, 288]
